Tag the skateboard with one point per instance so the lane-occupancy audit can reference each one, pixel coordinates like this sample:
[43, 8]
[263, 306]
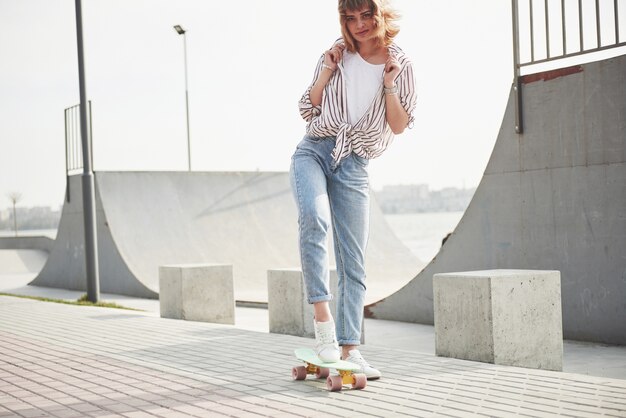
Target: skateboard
[321, 370]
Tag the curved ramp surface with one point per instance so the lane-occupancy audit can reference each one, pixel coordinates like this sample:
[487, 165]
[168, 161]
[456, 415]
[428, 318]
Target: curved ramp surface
[21, 261]
[249, 220]
[553, 198]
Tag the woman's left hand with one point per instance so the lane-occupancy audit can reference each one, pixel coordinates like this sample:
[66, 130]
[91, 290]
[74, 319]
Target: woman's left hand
[392, 69]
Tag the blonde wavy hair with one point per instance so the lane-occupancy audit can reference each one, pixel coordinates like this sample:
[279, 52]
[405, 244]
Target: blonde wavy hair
[384, 20]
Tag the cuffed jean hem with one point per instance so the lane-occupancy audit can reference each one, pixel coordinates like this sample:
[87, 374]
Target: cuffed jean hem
[325, 298]
[349, 342]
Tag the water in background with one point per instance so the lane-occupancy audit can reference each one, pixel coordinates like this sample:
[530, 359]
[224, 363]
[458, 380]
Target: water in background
[423, 232]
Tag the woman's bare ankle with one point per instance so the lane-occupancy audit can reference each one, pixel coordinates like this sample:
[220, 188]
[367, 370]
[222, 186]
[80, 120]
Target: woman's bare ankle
[322, 312]
[322, 318]
[345, 351]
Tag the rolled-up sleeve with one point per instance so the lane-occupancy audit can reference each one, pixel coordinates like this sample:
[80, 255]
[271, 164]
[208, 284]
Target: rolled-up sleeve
[407, 91]
[307, 110]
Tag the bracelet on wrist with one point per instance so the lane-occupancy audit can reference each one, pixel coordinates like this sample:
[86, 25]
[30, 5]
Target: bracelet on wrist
[391, 90]
[328, 67]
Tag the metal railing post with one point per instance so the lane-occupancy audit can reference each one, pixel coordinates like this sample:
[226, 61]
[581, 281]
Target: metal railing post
[67, 164]
[580, 26]
[547, 23]
[598, 28]
[517, 84]
[563, 27]
[616, 15]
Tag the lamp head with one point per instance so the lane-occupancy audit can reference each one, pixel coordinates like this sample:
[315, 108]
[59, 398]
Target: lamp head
[179, 29]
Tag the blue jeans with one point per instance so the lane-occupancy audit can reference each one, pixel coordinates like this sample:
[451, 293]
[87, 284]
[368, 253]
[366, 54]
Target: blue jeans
[338, 196]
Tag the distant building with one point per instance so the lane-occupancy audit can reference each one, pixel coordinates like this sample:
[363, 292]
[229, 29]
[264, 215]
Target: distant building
[38, 217]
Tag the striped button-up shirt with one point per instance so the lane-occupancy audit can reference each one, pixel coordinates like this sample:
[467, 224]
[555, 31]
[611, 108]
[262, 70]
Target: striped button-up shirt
[371, 135]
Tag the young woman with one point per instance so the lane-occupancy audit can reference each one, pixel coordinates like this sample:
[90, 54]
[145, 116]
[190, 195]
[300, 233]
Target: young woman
[362, 94]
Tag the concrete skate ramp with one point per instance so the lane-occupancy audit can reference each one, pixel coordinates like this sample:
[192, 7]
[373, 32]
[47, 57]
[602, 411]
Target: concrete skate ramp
[14, 262]
[553, 198]
[249, 220]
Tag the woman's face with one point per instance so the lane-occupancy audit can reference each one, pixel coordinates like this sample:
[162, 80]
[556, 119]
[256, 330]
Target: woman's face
[360, 24]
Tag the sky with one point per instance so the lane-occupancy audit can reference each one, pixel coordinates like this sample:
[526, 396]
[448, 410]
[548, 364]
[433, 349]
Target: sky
[248, 64]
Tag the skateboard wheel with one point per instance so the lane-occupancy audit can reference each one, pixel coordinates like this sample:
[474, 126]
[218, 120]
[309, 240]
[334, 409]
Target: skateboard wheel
[322, 372]
[360, 381]
[334, 383]
[298, 373]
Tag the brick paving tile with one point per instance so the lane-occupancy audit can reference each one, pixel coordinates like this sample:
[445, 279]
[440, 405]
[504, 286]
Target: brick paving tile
[120, 408]
[155, 410]
[225, 409]
[45, 404]
[192, 409]
[67, 413]
[206, 404]
[16, 406]
[182, 398]
[104, 402]
[139, 403]
[414, 412]
[167, 403]
[235, 403]
[612, 407]
[174, 414]
[137, 414]
[283, 415]
[211, 414]
[31, 413]
[267, 410]
[298, 411]
[96, 414]
[538, 407]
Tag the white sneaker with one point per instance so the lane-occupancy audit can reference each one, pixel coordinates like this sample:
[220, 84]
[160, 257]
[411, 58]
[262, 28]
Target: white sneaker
[354, 356]
[326, 346]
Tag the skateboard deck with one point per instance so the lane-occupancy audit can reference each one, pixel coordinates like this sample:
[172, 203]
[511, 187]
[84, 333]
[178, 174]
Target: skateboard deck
[322, 370]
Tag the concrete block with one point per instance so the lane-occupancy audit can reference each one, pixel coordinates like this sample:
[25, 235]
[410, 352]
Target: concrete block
[197, 292]
[289, 311]
[508, 317]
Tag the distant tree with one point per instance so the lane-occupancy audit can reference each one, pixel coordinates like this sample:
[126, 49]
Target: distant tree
[14, 197]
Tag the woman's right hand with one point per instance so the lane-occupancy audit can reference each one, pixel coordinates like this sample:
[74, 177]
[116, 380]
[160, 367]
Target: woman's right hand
[329, 65]
[333, 56]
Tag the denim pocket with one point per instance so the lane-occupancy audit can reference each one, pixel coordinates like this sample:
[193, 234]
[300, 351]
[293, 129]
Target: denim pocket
[363, 162]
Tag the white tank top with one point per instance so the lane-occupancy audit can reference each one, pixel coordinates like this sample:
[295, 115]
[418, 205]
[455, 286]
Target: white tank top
[363, 81]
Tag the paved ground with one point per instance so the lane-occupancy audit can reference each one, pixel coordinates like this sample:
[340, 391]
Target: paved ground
[70, 361]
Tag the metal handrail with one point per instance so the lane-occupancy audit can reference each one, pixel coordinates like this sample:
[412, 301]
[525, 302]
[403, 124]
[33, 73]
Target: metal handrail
[549, 56]
[73, 144]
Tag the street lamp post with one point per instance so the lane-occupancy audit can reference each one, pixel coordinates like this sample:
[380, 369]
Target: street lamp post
[182, 31]
[88, 184]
